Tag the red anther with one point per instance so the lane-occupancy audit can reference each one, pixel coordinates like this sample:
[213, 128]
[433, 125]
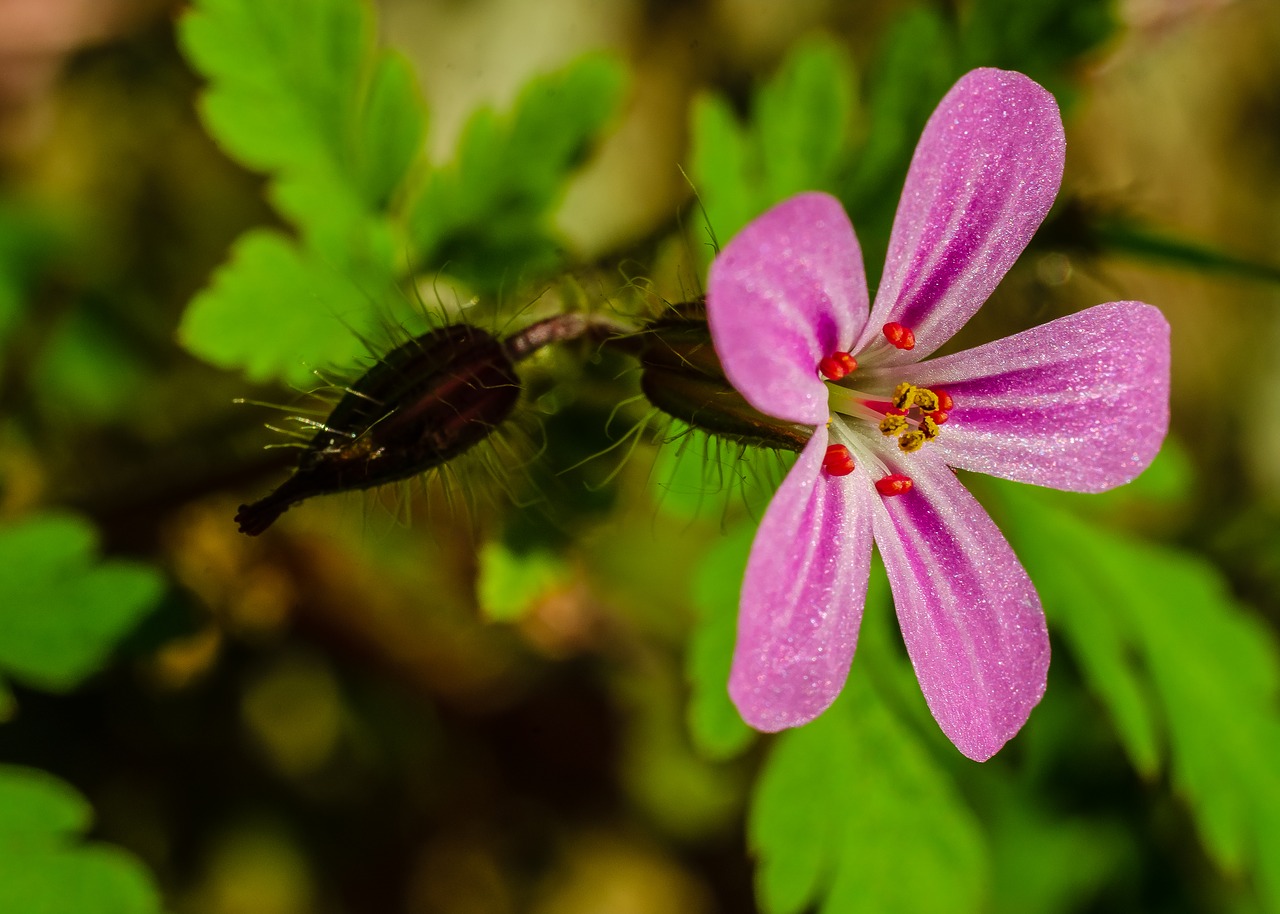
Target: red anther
[897, 484]
[944, 401]
[894, 411]
[899, 336]
[939, 416]
[837, 461]
[837, 365]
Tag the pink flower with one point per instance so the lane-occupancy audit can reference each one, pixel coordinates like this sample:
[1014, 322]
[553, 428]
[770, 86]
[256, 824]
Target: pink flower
[1080, 403]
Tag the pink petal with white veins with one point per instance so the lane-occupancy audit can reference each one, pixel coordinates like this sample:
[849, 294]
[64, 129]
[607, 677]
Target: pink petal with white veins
[984, 175]
[786, 292]
[1080, 403]
[803, 594]
[970, 617]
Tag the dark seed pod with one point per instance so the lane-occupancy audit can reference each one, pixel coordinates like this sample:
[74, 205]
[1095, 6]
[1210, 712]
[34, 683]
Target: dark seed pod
[424, 403]
[682, 376]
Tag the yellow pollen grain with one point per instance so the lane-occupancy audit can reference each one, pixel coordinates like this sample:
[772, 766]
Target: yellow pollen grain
[911, 441]
[903, 394]
[928, 428]
[926, 399]
[893, 425]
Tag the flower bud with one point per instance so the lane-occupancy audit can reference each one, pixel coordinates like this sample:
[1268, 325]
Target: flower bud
[682, 376]
[424, 403]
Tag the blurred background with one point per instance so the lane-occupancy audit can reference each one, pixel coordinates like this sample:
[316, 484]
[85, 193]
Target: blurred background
[513, 700]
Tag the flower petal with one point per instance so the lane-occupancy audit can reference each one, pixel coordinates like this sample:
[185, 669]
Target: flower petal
[786, 292]
[986, 171]
[1080, 403]
[970, 616]
[802, 598]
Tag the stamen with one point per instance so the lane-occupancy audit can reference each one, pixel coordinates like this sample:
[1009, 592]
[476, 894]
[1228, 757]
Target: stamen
[896, 484]
[837, 461]
[926, 399]
[938, 416]
[928, 428]
[903, 396]
[899, 336]
[837, 365]
[893, 425]
[911, 441]
[945, 403]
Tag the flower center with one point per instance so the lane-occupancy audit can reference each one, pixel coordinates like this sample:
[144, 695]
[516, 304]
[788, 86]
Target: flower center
[913, 415]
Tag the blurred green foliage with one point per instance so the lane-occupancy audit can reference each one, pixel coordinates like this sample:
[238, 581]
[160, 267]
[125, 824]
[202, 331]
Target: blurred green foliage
[64, 612]
[65, 609]
[486, 216]
[714, 723]
[510, 582]
[298, 90]
[1043, 40]
[852, 813]
[44, 867]
[290, 89]
[1190, 677]
[28, 241]
[797, 138]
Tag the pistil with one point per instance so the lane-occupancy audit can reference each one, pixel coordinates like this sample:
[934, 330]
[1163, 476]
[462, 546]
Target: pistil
[911, 414]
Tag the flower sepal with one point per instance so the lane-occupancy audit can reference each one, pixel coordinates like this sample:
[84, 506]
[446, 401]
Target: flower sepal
[682, 376]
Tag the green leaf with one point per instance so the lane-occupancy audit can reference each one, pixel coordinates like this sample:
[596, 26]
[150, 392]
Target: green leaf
[1190, 678]
[851, 813]
[916, 66]
[720, 163]
[1030, 845]
[802, 119]
[511, 583]
[297, 89]
[275, 310]
[44, 869]
[794, 828]
[1100, 636]
[88, 368]
[393, 125]
[61, 610]
[489, 211]
[284, 78]
[798, 137]
[717, 729]
[675, 785]
[35, 808]
[29, 239]
[703, 477]
[1039, 39]
[337, 228]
